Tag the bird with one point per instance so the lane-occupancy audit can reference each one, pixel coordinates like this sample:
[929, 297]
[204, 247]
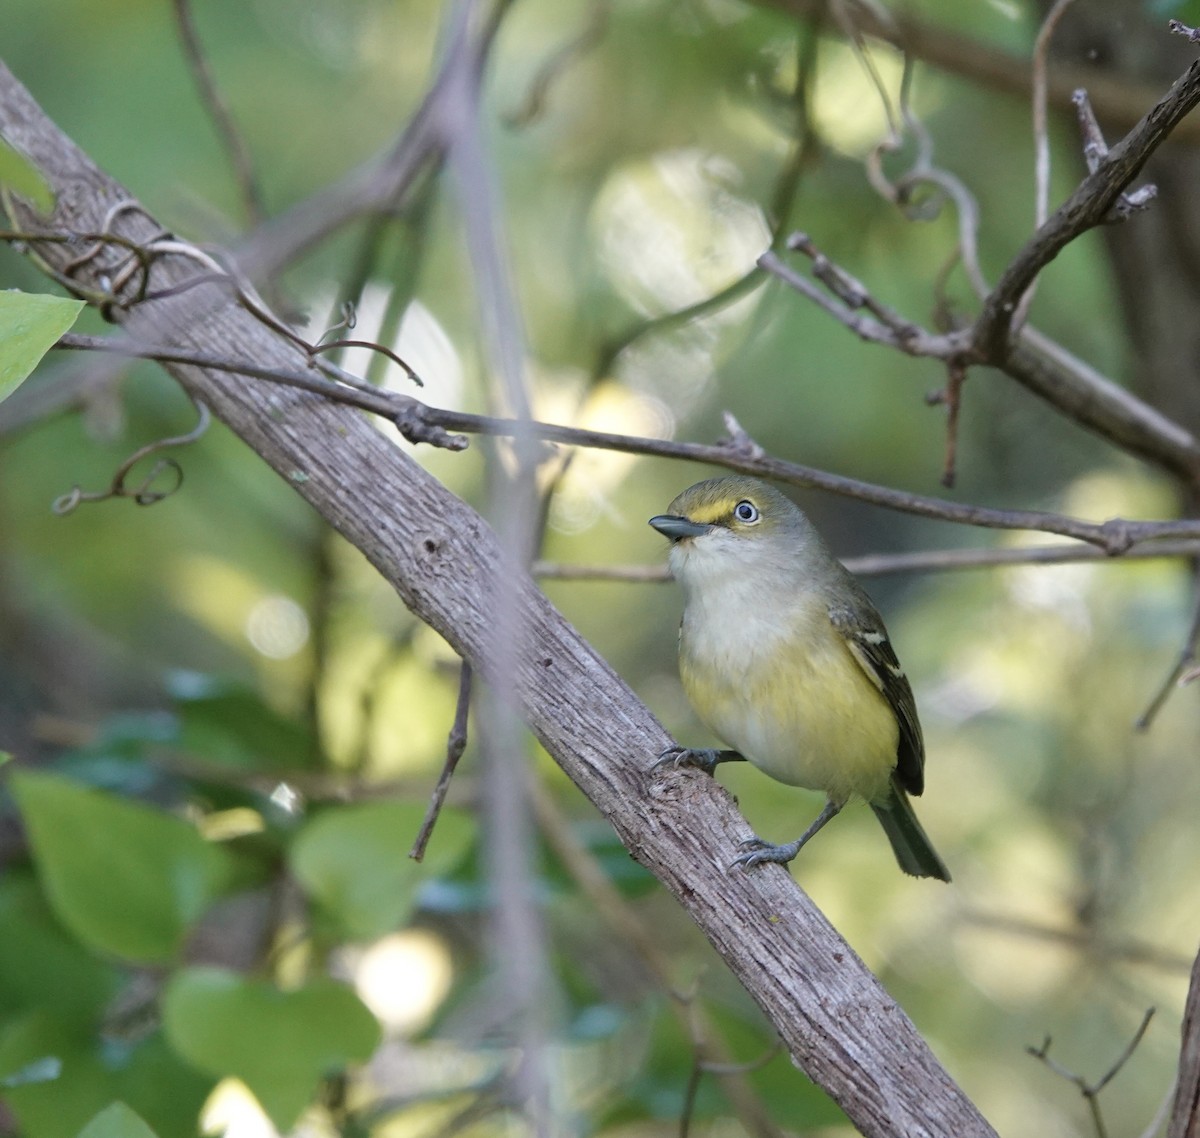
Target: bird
[787, 661]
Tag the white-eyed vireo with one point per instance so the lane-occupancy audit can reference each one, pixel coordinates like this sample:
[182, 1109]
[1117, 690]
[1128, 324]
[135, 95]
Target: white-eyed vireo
[785, 658]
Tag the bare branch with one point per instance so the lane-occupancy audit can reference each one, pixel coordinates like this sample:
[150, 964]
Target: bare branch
[1185, 1115]
[1192, 35]
[1118, 100]
[218, 110]
[422, 423]
[1041, 136]
[587, 38]
[1035, 361]
[1041, 141]
[1091, 1091]
[885, 564]
[1087, 207]
[1177, 675]
[455, 745]
[891, 329]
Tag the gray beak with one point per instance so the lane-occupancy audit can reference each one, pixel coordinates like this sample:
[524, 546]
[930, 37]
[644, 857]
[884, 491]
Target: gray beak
[675, 528]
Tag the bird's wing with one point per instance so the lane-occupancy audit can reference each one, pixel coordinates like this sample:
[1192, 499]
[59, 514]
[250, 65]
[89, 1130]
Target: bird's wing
[873, 651]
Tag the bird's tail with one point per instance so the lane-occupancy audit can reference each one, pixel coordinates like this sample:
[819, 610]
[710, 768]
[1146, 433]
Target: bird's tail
[910, 844]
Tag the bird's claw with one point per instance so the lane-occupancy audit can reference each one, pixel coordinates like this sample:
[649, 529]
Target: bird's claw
[702, 759]
[759, 852]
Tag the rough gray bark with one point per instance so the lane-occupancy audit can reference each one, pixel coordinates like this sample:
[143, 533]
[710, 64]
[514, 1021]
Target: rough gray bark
[1185, 1114]
[839, 1024]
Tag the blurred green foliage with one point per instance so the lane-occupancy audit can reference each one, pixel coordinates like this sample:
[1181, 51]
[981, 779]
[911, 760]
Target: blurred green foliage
[226, 727]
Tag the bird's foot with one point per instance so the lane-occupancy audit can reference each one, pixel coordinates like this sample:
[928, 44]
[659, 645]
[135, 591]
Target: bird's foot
[759, 852]
[702, 758]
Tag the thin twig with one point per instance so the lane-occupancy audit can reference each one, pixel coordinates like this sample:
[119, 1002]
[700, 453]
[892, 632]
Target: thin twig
[951, 396]
[1118, 98]
[235, 146]
[371, 345]
[1035, 361]
[853, 32]
[886, 564]
[1125, 1055]
[423, 423]
[1091, 1091]
[588, 38]
[1041, 135]
[893, 332]
[1041, 142]
[456, 743]
[680, 318]
[1187, 657]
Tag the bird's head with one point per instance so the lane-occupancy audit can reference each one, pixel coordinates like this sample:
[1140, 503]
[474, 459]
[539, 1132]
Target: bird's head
[734, 525]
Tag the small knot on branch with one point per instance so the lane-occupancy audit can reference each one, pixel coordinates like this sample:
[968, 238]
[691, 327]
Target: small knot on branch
[412, 424]
[738, 441]
[1116, 536]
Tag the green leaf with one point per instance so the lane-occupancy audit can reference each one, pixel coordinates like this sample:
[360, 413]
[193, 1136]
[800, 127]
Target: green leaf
[230, 723]
[125, 878]
[280, 1044]
[354, 861]
[117, 1121]
[30, 325]
[41, 965]
[165, 1091]
[19, 174]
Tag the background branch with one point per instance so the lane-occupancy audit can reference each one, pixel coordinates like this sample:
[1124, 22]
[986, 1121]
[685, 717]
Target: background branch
[1120, 101]
[231, 138]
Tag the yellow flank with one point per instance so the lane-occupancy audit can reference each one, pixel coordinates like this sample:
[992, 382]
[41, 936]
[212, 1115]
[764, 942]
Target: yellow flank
[793, 700]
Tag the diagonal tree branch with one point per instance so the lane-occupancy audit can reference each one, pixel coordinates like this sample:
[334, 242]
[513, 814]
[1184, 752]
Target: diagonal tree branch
[1090, 205]
[1185, 1116]
[839, 1024]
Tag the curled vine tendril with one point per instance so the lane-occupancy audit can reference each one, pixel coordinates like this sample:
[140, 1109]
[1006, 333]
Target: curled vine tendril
[149, 489]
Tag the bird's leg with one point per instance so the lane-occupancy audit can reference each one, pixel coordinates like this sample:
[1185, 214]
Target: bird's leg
[760, 851]
[704, 758]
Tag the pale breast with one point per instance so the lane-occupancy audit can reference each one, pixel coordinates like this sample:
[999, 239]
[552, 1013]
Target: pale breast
[790, 697]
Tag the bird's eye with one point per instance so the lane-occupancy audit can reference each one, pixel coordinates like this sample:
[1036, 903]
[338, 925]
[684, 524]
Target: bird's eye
[746, 511]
